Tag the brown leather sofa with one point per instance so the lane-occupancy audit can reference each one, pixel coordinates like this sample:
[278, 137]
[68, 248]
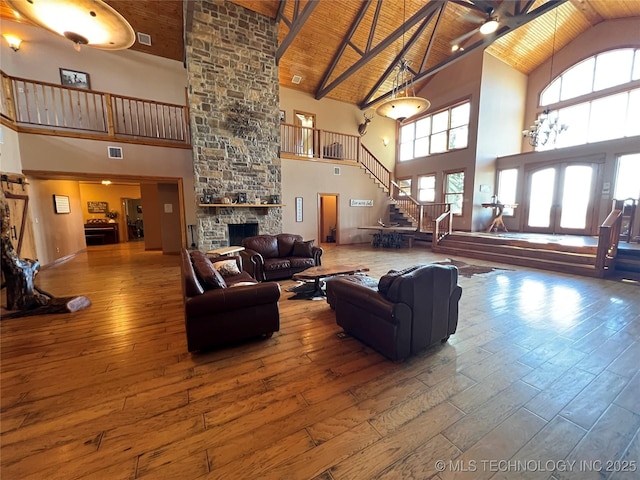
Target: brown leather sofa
[216, 315]
[276, 257]
[407, 312]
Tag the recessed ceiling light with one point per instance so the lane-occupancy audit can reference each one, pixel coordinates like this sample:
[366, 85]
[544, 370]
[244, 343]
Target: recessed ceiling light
[296, 79]
[106, 182]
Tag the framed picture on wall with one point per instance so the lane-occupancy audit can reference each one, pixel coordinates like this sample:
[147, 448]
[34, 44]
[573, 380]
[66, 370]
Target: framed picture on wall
[298, 209]
[61, 204]
[75, 79]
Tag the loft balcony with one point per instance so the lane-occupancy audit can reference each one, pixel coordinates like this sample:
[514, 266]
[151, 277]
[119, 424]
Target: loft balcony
[30, 106]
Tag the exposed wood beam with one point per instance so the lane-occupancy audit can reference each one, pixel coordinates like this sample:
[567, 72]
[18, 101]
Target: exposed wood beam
[298, 21]
[425, 11]
[416, 35]
[345, 41]
[376, 15]
[511, 24]
[436, 28]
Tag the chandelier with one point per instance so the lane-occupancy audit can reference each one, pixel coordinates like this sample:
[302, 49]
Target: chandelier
[544, 129]
[84, 22]
[403, 103]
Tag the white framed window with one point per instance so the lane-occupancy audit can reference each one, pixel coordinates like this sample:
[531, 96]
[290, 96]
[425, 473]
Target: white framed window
[605, 118]
[507, 187]
[610, 108]
[454, 190]
[440, 132]
[627, 177]
[427, 188]
[593, 74]
[405, 187]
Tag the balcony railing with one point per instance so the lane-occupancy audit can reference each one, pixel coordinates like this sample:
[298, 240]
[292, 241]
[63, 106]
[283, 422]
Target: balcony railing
[32, 105]
[311, 143]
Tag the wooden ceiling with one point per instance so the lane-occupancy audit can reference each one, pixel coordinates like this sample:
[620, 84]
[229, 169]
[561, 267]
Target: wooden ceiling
[347, 49]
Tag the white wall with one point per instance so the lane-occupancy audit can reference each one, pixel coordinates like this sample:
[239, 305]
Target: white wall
[309, 179]
[500, 113]
[124, 72]
[9, 151]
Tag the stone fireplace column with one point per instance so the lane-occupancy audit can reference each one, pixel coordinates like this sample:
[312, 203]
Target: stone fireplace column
[234, 115]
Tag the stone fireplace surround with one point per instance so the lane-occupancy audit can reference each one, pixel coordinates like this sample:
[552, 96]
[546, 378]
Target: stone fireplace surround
[233, 80]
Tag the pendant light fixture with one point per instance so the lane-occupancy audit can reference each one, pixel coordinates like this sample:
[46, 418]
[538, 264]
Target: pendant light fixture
[403, 103]
[84, 22]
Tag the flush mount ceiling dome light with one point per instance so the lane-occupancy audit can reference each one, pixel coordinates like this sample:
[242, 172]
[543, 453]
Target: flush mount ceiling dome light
[84, 22]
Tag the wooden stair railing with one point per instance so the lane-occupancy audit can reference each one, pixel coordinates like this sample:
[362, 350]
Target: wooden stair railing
[376, 169]
[430, 217]
[608, 238]
[39, 107]
[442, 228]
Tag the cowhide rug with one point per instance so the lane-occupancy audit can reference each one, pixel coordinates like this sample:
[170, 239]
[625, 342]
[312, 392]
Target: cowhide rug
[467, 270]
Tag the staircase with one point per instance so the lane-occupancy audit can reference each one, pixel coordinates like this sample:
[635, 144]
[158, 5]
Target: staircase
[578, 260]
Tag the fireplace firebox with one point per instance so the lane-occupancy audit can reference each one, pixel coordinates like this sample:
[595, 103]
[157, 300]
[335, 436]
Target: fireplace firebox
[238, 231]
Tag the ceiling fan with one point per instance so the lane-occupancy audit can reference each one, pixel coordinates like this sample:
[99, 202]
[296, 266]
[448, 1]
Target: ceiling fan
[488, 23]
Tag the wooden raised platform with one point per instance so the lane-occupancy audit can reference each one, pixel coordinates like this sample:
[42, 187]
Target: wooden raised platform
[562, 253]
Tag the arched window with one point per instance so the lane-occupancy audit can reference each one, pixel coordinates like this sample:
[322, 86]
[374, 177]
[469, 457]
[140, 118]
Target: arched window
[605, 70]
[614, 113]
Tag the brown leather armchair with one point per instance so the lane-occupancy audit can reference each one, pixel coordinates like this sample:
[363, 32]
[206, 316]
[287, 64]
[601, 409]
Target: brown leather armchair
[242, 309]
[276, 257]
[407, 312]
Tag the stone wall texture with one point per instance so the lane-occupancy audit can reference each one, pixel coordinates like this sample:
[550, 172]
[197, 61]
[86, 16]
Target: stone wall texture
[234, 106]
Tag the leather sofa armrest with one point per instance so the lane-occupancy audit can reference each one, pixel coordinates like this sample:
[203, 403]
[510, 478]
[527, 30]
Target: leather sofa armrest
[369, 301]
[232, 298]
[253, 263]
[316, 253]
[456, 294]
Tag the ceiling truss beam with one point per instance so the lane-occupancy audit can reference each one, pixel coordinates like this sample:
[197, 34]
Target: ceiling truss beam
[295, 25]
[416, 35]
[425, 11]
[510, 25]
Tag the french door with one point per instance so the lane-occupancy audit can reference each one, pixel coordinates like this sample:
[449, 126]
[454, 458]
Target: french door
[561, 198]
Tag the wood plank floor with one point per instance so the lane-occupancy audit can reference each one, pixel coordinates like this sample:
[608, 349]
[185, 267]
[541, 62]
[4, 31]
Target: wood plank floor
[543, 371]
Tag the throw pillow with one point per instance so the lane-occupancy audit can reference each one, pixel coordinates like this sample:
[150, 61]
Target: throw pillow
[386, 280]
[303, 249]
[227, 268]
[207, 274]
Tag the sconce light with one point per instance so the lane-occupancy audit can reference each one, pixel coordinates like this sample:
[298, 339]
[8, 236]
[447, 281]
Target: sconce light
[13, 41]
[106, 182]
[385, 141]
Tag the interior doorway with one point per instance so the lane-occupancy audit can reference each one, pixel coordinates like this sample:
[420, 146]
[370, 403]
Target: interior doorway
[561, 198]
[328, 218]
[305, 138]
[134, 219]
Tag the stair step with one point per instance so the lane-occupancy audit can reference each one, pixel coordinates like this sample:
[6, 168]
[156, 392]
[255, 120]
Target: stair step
[531, 251]
[585, 270]
[488, 239]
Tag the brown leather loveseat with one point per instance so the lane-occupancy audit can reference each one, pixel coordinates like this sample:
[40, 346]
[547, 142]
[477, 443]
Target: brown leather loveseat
[404, 313]
[219, 310]
[276, 257]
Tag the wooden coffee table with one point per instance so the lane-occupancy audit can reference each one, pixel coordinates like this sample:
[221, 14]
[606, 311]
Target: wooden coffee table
[316, 274]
